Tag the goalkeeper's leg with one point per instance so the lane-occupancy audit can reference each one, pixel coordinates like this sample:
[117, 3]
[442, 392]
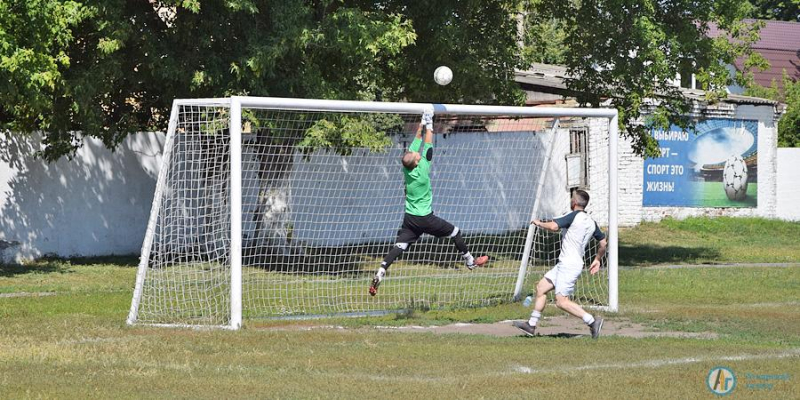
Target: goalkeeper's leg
[440, 228]
[395, 252]
[471, 261]
[405, 237]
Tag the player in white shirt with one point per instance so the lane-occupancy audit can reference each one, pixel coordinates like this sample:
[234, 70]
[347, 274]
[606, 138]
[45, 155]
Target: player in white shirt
[578, 227]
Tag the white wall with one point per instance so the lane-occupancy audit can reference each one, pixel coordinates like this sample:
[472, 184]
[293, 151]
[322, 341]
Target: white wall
[96, 204]
[99, 202]
[788, 184]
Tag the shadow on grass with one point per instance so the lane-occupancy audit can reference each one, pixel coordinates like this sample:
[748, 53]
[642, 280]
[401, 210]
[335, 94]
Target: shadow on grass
[644, 254]
[57, 265]
[39, 267]
[116, 261]
[564, 335]
[560, 335]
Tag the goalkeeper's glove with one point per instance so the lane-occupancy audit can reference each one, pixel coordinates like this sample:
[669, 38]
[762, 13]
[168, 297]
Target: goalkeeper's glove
[427, 118]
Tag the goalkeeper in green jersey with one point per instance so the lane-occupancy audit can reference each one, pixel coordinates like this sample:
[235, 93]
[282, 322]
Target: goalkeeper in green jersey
[419, 216]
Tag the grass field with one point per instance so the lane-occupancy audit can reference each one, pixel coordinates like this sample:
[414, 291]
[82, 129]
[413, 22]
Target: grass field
[62, 335]
[710, 241]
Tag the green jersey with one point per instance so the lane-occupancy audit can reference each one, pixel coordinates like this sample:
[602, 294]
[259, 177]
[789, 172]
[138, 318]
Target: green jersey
[419, 195]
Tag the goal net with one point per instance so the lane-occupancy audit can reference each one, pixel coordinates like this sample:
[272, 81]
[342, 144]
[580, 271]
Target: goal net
[284, 208]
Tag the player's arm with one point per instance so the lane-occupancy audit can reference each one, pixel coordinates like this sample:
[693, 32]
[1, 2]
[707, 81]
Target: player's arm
[556, 224]
[549, 225]
[426, 150]
[428, 145]
[601, 249]
[417, 144]
[428, 135]
[427, 121]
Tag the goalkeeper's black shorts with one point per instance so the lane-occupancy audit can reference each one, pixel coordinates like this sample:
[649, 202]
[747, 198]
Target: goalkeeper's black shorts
[414, 226]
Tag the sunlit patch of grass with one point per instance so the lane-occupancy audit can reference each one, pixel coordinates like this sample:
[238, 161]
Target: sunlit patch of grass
[702, 240]
[75, 344]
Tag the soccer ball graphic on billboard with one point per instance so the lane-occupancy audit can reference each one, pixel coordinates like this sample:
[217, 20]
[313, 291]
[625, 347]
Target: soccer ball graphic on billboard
[734, 178]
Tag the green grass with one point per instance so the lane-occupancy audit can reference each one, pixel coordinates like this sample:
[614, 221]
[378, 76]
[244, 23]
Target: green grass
[74, 343]
[710, 241]
[757, 305]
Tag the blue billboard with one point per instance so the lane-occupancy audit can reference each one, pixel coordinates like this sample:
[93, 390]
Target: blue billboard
[713, 165]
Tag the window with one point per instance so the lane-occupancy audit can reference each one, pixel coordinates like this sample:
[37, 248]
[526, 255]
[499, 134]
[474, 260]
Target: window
[578, 159]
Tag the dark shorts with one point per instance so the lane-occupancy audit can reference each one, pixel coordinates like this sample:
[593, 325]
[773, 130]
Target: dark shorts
[414, 226]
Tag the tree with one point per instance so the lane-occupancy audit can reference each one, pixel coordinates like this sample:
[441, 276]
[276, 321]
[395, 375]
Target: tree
[781, 10]
[114, 66]
[543, 40]
[105, 68]
[789, 124]
[788, 93]
[628, 52]
[34, 41]
[476, 38]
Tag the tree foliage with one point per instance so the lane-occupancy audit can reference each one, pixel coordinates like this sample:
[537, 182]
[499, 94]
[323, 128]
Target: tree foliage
[105, 68]
[789, 94]
[789, 124]
[629, 51]
[781, 10]
[544, 39]
[345, 132]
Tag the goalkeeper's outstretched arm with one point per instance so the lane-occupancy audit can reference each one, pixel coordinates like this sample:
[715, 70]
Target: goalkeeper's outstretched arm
[427, 121]
[428, 132]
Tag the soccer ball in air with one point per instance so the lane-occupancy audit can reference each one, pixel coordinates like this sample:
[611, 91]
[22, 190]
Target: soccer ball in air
[734, 177]
[443, 75]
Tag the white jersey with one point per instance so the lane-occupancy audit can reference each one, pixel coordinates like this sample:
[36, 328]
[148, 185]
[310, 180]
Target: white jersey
[576, 227]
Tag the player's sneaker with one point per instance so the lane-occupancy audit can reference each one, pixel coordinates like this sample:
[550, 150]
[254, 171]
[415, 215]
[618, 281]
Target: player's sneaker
[376, 281]
[595, 327]
[525, 327]
[479, 262]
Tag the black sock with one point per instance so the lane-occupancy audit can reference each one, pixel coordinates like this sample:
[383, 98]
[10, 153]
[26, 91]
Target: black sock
[393, 254]
[460, 244]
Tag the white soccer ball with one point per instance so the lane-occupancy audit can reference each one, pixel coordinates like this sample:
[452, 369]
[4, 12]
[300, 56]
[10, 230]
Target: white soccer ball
[443, 75]
[734, 177]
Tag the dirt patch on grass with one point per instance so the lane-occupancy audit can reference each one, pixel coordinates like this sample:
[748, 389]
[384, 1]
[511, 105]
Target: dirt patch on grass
[559, 326]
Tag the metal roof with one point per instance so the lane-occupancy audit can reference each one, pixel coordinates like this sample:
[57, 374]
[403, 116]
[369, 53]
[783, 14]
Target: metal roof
[553, 76]
[779, 43]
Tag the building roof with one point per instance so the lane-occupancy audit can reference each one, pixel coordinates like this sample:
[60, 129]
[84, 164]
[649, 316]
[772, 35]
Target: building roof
[549, 76]
[780, 45]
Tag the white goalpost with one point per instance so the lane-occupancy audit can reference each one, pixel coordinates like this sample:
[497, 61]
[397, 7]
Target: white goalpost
[264, 209]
